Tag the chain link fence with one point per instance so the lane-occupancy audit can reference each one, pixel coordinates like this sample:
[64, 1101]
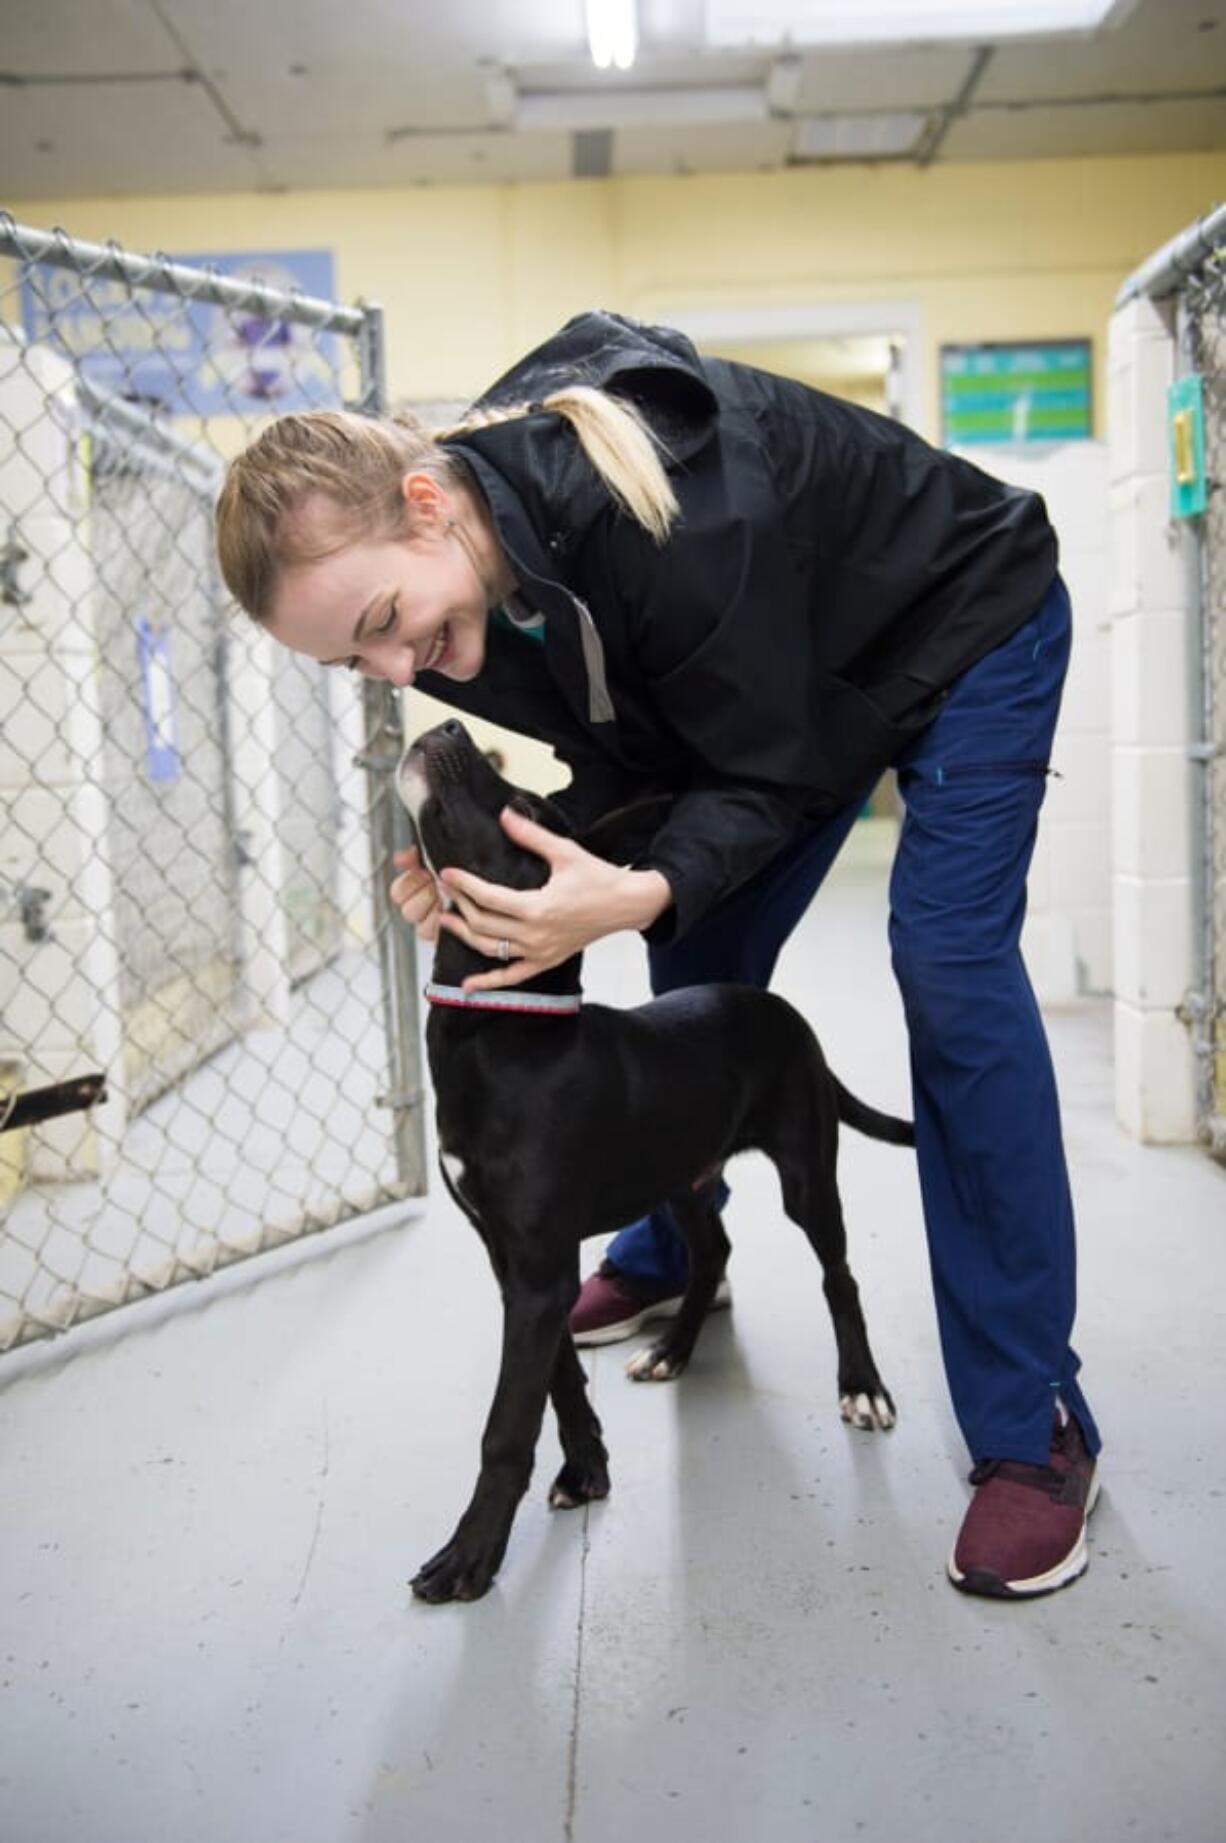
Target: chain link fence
[198, 826]
[1202, 351]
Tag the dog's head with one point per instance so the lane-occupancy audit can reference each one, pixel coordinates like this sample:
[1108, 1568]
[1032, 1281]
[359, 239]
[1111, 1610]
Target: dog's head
[454, 795]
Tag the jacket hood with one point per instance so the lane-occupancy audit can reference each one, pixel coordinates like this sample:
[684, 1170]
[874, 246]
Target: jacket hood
[655, 367]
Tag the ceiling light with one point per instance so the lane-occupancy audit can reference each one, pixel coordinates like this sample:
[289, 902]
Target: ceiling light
[612, 33]
[866, 22]
[870, 136]
[578, 110]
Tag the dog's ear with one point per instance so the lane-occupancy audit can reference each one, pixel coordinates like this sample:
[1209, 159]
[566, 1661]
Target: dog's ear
[624, 834]
[542, 812]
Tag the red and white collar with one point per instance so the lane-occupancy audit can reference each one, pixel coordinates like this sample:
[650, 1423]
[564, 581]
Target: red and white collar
[511, 998]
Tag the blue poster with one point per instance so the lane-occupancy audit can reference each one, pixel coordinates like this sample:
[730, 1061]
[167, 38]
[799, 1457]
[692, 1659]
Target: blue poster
[188, 357]
[158, 685]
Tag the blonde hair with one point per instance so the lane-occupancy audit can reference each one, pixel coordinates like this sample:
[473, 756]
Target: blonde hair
[357, 464]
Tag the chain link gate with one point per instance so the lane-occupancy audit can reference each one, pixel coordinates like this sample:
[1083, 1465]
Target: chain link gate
[198, 825]
[1202, 353]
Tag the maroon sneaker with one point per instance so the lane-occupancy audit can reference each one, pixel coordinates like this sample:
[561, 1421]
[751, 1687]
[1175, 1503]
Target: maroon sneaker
[611, 1306]
[1025, 1531]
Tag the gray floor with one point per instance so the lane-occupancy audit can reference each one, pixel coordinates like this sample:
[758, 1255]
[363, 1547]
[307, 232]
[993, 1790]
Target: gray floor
[212, 1504]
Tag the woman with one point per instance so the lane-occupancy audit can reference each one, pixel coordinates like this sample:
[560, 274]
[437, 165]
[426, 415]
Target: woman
[690, 575]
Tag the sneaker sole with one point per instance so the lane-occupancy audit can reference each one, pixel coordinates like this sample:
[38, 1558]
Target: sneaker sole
[627, 1327]
[1070, 1568]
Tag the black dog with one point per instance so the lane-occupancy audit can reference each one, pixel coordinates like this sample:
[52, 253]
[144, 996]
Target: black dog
[557, 1121]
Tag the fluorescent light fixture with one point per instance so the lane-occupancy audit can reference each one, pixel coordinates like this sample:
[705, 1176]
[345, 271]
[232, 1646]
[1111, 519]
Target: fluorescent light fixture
[612, 32]
[874, 135]
[579, 110]
[871, 22]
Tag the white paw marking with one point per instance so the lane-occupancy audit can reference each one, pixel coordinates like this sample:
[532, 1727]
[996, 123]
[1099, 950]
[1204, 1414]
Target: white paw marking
[644, 1369]
[869, 1412]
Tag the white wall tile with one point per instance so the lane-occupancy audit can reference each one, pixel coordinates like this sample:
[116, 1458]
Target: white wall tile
[1155, 1075]
[1153, 941]
[1137, 381]
[1151, 813]
[1152, 561]
[1153, 692]
[1139, 322]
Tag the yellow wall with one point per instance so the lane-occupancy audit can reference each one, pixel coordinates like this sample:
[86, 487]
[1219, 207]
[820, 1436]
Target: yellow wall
[471, 277]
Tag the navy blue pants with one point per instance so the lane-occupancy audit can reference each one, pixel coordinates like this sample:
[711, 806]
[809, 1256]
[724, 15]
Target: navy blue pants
[995, 1190]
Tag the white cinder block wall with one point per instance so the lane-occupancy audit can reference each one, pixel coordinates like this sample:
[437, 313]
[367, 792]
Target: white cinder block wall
[1067, 938]
[1153, 610]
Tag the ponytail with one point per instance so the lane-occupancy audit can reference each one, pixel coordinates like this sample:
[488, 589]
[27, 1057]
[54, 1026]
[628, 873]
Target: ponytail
[616, 440]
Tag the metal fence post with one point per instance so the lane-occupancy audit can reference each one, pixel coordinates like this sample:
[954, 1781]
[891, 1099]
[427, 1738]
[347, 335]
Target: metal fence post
[390, 832]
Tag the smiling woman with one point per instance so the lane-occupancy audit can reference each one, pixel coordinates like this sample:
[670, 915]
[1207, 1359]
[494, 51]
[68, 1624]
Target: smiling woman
[751, 597]
[391, 607]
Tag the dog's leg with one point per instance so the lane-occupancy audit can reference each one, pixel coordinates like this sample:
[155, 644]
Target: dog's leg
[708, 1247]
[811, 1198]
[585, 1475]
[535, 1306]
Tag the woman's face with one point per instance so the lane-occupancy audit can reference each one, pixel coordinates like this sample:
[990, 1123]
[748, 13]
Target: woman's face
[393, 607]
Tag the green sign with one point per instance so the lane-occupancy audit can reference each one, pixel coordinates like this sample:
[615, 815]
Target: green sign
[1185, 423]
[1016, 393]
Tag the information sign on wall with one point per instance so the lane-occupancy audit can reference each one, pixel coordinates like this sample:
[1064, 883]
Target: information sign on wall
[1038, 392]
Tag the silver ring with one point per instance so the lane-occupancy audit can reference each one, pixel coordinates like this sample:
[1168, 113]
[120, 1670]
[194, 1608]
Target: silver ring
[504, 951]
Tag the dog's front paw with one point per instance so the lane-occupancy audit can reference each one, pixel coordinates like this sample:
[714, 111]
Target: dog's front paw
[461, 1571]
[579, 1482]
[873, 1411]
[656, 1364]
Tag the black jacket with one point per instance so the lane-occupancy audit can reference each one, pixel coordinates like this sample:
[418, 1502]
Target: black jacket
[830, 576]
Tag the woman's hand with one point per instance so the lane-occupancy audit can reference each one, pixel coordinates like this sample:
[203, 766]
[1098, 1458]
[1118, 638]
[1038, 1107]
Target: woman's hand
[415, 894]
[584, 899]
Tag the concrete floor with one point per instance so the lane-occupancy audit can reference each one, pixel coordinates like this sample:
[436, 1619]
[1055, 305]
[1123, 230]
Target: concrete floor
[213, 1502]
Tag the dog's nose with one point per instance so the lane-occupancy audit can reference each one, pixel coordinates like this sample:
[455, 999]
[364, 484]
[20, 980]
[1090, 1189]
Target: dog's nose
[453, 728]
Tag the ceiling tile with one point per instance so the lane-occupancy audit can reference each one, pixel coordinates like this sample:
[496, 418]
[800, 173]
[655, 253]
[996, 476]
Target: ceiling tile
[919, 78]
[126, 137]
[703, 148]
[1106, 128]
[1162, 46]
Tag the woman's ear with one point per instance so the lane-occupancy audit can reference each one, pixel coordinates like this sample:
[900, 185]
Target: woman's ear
[428, 503]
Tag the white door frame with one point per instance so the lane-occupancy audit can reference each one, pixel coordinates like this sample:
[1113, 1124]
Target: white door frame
[825, 320]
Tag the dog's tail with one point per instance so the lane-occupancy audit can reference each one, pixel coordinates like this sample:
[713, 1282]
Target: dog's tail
[866, 1119]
